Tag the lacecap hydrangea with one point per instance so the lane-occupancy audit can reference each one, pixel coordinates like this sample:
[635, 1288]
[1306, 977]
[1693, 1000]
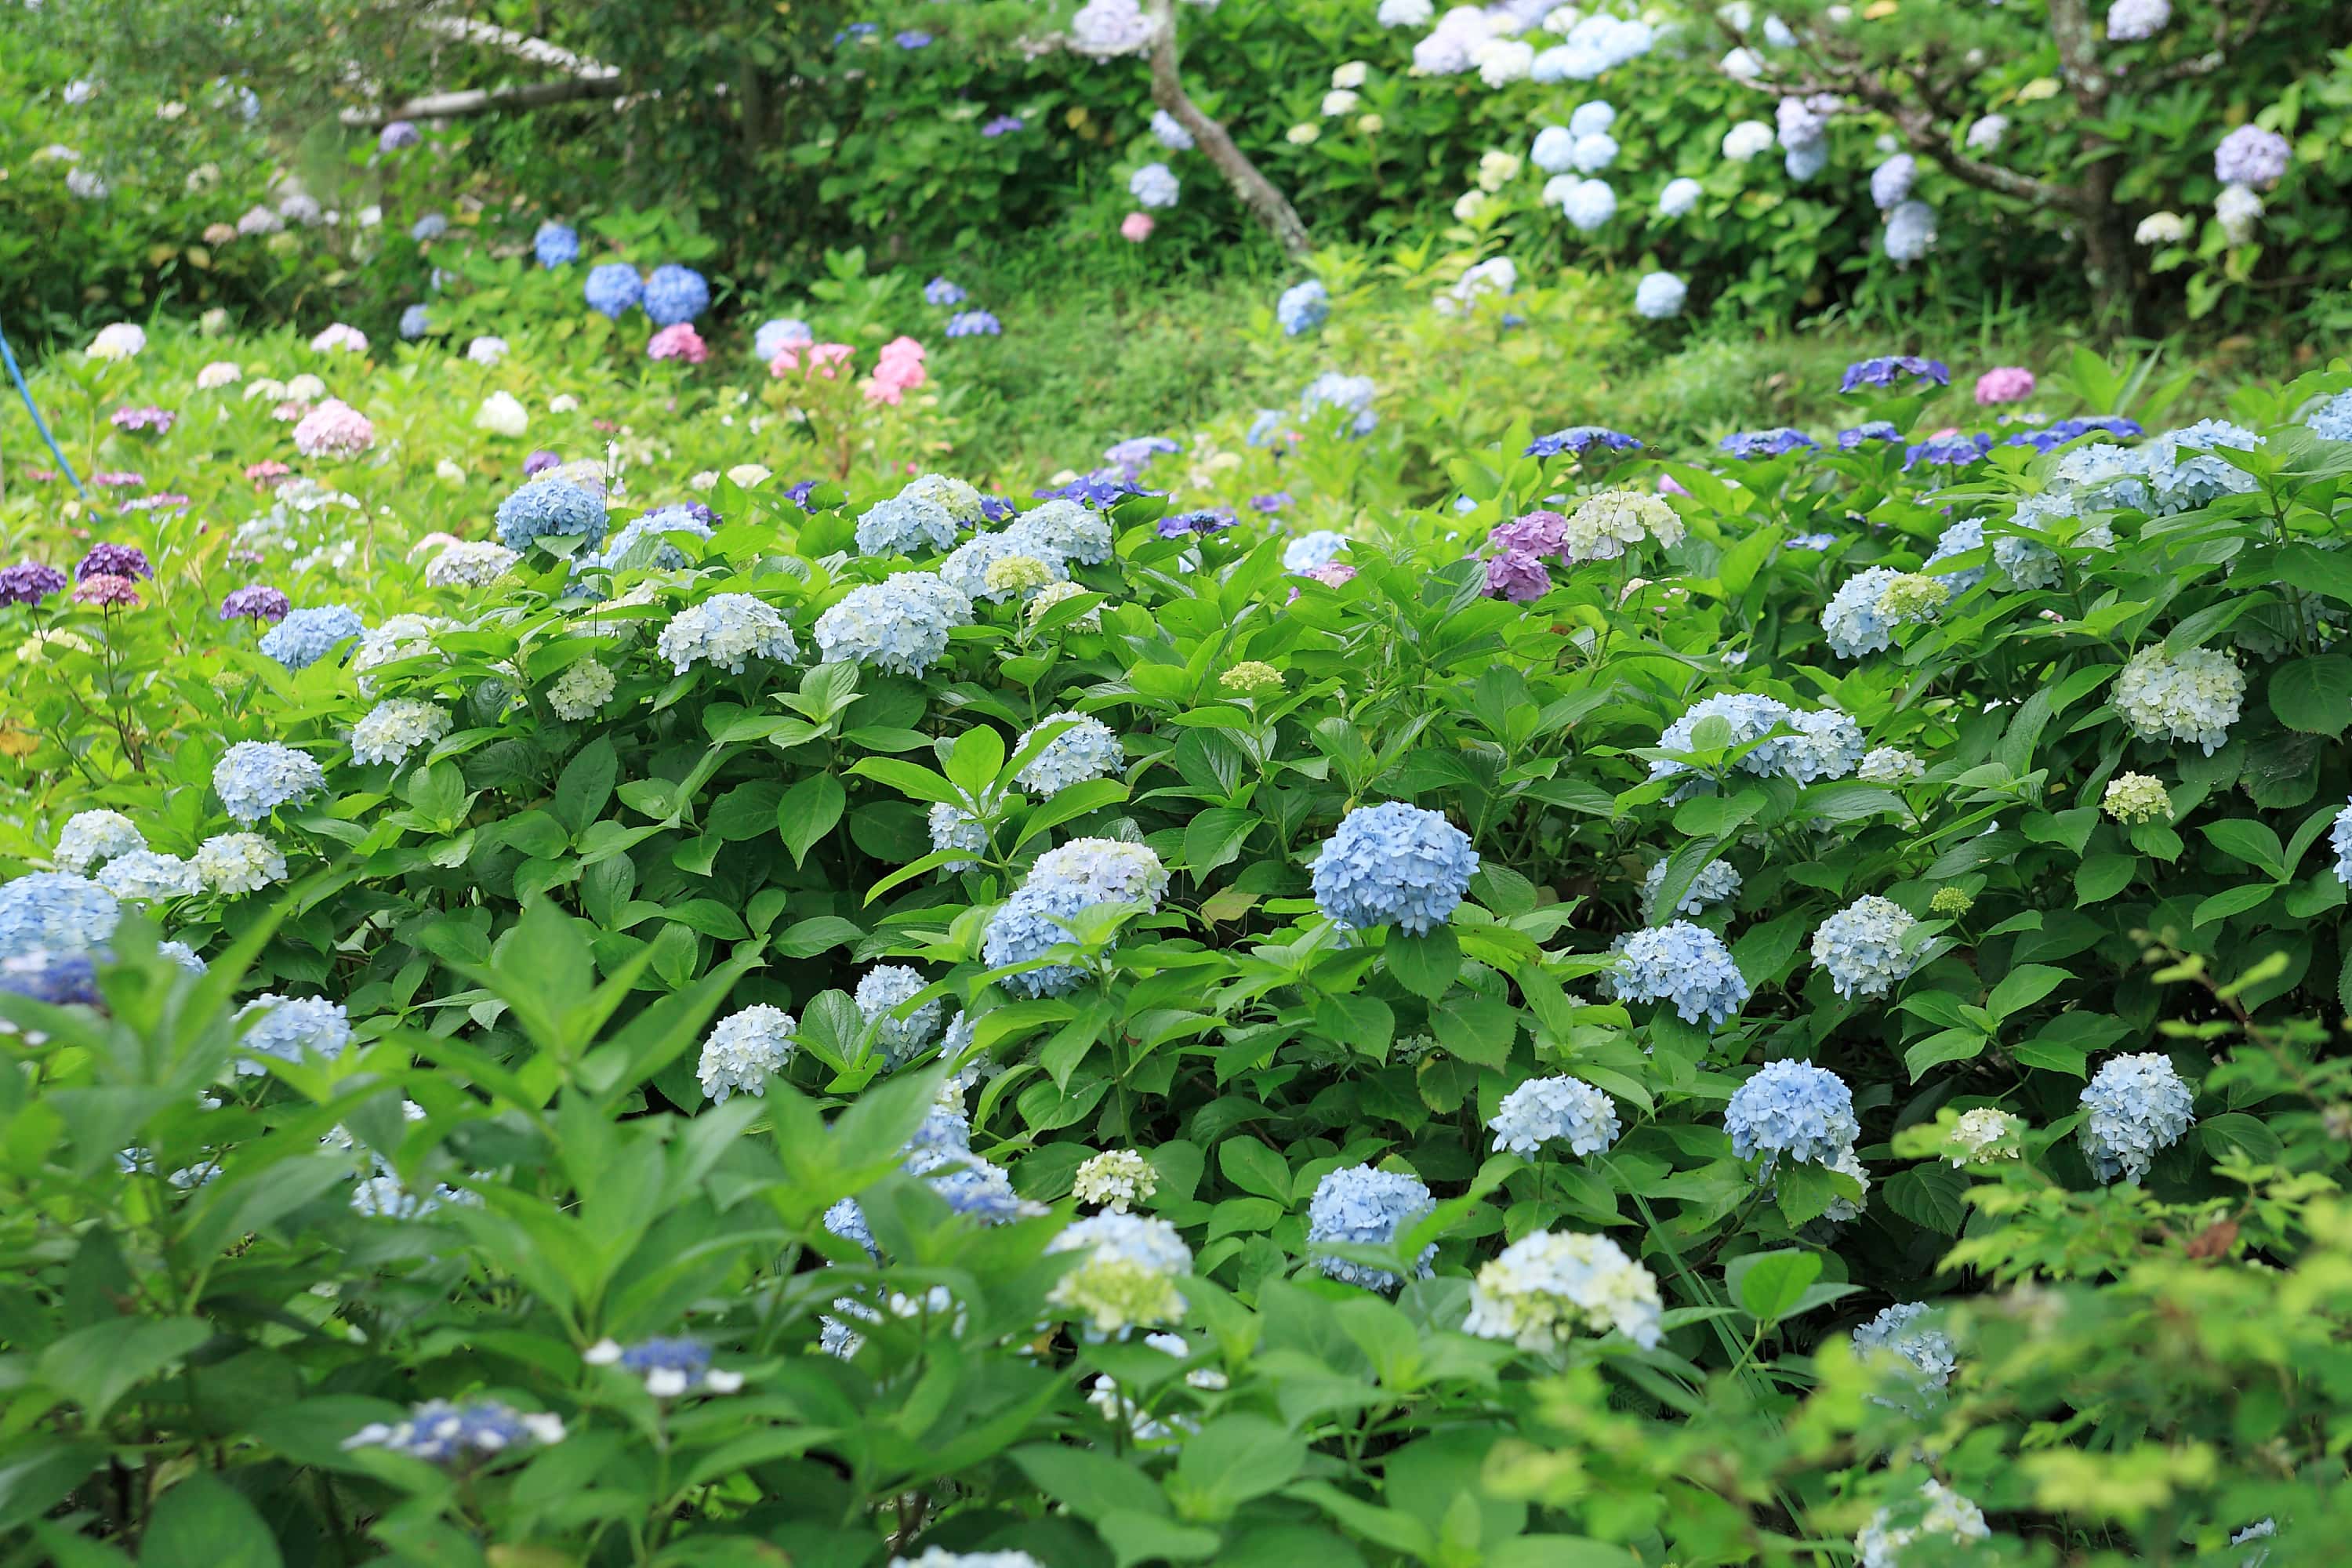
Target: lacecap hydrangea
[727, 631]
[2135, 1107]
[901, 625]
[1684, 964]
[1793, 1108]
[1393, 864]
[1554, 1110]
[1367, 1207]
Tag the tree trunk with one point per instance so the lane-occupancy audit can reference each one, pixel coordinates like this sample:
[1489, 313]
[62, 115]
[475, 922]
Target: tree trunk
[2106, 245]
[1257, 193]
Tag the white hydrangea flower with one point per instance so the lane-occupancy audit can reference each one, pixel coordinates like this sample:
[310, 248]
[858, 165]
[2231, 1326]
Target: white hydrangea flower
[91, 837]
[580, 693]
[745, 1049]
[1545, 1286]
[391, 730]
[239, 863]
[1115, 1179]
[2193, 696]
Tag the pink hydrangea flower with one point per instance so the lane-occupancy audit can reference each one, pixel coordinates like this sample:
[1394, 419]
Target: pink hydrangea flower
[434, 540]
[2004, 384]
[1668, 486]
[679, 342]
[1136, 228]
[268, 473]
[818, 359]
[106, 591]
[898, 372]
[333, 429]
[342, 336]
[1332, 573]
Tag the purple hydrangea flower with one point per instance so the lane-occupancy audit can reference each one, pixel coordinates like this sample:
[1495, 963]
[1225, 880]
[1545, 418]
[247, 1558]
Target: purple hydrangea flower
[973, 324]
[1272, 501]
[1096, 491]
[913, 38]
[539, 462]
[1766, 443]
[1887, 369]
[146, 418]
[28, 583]
[1215, 520]
[1002, 125]
[1874, 430]
[1947, 451]
[2251, 155]
[400, 134]
[1537, 533]
[255, 602]
[114, 561]
[1578, 439]
[1516, 575]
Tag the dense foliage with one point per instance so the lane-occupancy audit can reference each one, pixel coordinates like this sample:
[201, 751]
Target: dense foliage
[874, 1019]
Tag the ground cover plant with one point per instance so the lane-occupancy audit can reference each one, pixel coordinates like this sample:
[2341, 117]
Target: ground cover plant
[1141, 899]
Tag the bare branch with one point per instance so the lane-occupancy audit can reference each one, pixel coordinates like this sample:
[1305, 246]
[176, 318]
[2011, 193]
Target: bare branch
[2226, 38]
[486, 101]
[1256, 191]
[538, 51]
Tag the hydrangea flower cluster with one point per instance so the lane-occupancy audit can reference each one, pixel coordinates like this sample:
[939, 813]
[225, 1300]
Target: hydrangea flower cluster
[2193, 696]
[54, 911]
[2186, 472]
[89, 837]
[1863, 615]
[441, 1433]
[966, 568]
[147, 876]
[302, 638]
[675, 294]
[1824, 744]
[552, 506]
[1793, 1108]
[2136, 797]
[1127, 1278]
[1887, 370]
[469, 564]
[293, 1029]
[1086, 749]
[1604, 524]
[1368, 1207]
[580, 693]
[955, 828]
[1154, 185]
[390, 730]
[1861, 946]
[880, 992]
[1393, 864]
[1545, 1286]
[1899, 1330]
[1350, 394]
[1303, 307]
[726, 631]
[1940, 1512]
[901, 625]
[2135, 1107]
[2135, 21]
[232, 863]
[1982, 1136]
[1547, 1109]
[905, 525]
[1890, 765]
[668, 1366]
[1116, 1180]
[253, 778]
[1681, 963]
[614, 289]
[1660, 296]
[1578, 440]
[1717, 882]
[745, 1049]
[1776, 443]
[1079, 875]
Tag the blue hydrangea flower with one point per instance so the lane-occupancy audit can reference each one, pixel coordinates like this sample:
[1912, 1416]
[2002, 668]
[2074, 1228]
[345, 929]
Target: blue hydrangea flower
[1554, 1110]
[1825, 743]
[293, 1029]
[613, 290]
[901, 625]
[429, 228]
[1086, 749]
[675, 294]
[2136, 1107]
[1870, 430]
[306, 636]
[1803, 163]
[1578, 439]
[255, 778]
[1717, 882]
[726, 631]
[54, 911]
[973, 324]
[1308, 551]
[549, 505]
[1897, 1331]
[441, 1433]
[1682, 963]
[59, 979]
[2332, 420]
[414, 323]
[556, 245]
[1303, 308]
[1795, 1108]
[880, 992]
[1154, 185]
[776, 334]
[1062, 528]
[1891, 181]
[1854, 622]
[668, 1366]
[745, 1049]
[952, 827]
[639, 542]
[965, 569]
[848, 1221]
[1660, 296]
[905, 525]
[1033, 922]
[1393, 864]
[1947, 451]
[1589, 205]
[1861, 946]
[2105, 475]
[2188, 473]
[1773, 443]
[1350, 394]
[1909, 234]
[1170, 132]
[979, 1190]
[941, 292]
[1105, 487]
[1368, 1207]
[1887, 370]
[2339, 838]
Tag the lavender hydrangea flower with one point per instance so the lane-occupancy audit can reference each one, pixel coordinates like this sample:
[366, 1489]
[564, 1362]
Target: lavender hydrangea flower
[1793, 1108]
[2251, 155]
[1367, 1207]
[1554, 1110]
[943, 292]
[1891, 181]
[255, 602]
[1681, 963]
[1393, 864]
[2136, 1107]
[1170, 132]
[28, 583]
[441, 1433]
[1578, 439]
[973, 324]
[1752, 444]
[1154, 185]
[113, 561]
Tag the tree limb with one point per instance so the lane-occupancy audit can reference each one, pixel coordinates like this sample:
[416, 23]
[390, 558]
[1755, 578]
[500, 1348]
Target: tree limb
[486, 100]
[2225, 39]
[538, 51]
[1257, 193]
